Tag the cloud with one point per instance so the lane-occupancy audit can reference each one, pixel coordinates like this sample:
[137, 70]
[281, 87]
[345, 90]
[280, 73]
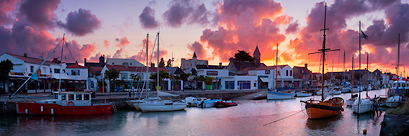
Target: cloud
[118, 53]
[81, 22]
[106, 43]
[6, 17]
[78, 51]
[181, 11]
[122, 42]
[147, 18]
[141, 54]
[198, 49]
[292, 28]
[39, 13]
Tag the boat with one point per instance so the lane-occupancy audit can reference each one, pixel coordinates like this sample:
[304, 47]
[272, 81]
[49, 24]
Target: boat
[65, 103]
[317, 109]
[192, 101]
[207, 103]
[362, 106]
[393, 101]
[345, 90]
[351, 100]
[380, 101]
[303, 94]
[276, 95]
[161, 105]
[135, 103]
[225, 104]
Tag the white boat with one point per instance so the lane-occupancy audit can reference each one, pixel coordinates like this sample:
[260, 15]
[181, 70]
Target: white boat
[207, 103]
[135, 103]
[335, 92]
[273, 95]
[356, 89]
[319, 92]
[362, 106]
[346, 90]
[192, 101]
[350, 101]
[303, 94]
[164, 105]
[161, 105]
[393, 101]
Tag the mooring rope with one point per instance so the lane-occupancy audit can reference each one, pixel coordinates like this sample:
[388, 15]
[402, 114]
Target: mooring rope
[283, 118]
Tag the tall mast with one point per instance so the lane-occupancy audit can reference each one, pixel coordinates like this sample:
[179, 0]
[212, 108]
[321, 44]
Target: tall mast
[359, 62]
[397, 69]
[62, 49]
[343, 78]
[157, 74]
[367, 72]
[352, 77]
[147, 65]
[323, 53]
[276, 65]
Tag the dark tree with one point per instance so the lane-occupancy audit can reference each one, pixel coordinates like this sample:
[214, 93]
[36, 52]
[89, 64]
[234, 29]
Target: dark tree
[5, 67]
[169, 63]
[162, 63]
[112, 74]
[243, 56]
[162, 74]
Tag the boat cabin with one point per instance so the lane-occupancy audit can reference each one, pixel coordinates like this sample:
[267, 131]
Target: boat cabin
[70, 99]
[402, 86]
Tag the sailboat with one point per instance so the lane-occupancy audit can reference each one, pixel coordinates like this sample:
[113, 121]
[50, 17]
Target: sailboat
[362, 105]
[161, 105]
[317, 109]
[351, 100]
[345, 88]
[275, 95]
[398, 87]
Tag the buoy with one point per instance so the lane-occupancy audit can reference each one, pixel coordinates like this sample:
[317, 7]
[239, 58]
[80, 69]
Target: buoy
[364, 131]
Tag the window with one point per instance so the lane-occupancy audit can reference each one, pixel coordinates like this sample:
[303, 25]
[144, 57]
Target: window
[86, 96]
[229, 84]
[62, 96]
[130, 64]
[70, 96]
[124, 75]
[56, 96]
[32, 69]
[78, 96]
[286, 73]
[51, 70]
[75, 72]
[44, 70]
[112, 63]
[291, 73]
[56, 70]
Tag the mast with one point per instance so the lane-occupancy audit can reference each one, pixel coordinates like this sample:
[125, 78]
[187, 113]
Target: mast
[157, 74]
[352, 77]
[343, 75]
[359, 96]
[276, 66]
[323, 53]
[367, 72]
[62, 49]
[397, 69]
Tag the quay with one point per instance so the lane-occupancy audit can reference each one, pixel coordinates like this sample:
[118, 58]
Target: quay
[8, 107]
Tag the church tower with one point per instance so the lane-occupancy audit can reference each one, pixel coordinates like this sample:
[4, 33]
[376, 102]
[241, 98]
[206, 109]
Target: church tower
[256, 56]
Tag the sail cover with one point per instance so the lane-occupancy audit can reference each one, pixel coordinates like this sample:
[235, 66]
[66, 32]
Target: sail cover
[163, 94]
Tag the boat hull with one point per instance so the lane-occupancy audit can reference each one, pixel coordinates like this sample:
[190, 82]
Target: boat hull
[300, 94]
[393, 101]
[346, 90]
[350, 101]
[24, 108]
[319, 109]
[365, 105]
[279, 95]
[162, 106]
[225, 104]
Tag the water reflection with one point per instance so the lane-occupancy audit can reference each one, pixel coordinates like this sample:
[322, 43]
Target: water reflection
[323, 124]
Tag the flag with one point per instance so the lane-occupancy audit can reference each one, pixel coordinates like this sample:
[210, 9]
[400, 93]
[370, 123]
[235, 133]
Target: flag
[34, 76]
[364, 35]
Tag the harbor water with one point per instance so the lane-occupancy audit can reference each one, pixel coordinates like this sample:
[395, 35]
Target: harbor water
[250, 117]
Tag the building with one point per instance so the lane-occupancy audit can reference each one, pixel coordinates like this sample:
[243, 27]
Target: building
[94, 69]
[49, 75]
[237, 67]
[304, 74]
[191, 63]
[119, 61]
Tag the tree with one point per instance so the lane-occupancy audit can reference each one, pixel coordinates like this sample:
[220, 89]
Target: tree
[169, 63]
[112, 74]
[162, 63]
[243, 56]
[209, 80]
[162, 74]
[184, 77]
[5, 67]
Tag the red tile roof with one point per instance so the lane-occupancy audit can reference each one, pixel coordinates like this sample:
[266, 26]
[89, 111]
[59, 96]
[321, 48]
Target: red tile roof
[135, 69]
[76, 66]
[31, 60]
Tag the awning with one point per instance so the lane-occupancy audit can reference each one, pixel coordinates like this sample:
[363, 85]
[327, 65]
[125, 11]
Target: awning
[160, 93]
[265, 79]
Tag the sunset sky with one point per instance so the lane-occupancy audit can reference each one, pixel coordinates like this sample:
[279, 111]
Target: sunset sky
[214, 29]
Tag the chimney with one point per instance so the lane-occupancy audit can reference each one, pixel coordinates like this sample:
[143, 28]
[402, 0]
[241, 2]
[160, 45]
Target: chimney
[220, 65]
[25, 55]
[85, 61]
[306, 65]
[153, 65]
[231, 60]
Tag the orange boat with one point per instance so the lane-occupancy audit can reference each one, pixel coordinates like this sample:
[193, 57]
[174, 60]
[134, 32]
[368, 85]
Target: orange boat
[317, 109]
[322, 109]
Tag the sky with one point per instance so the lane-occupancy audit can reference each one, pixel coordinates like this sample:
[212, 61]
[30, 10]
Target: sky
[214, 29]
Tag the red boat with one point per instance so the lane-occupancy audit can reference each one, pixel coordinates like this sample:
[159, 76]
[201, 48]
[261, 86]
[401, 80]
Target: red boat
[65, 103]
[225, 104]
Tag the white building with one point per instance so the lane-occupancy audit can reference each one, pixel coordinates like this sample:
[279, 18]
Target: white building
[49, 75]
[191, 63]
[119, 61]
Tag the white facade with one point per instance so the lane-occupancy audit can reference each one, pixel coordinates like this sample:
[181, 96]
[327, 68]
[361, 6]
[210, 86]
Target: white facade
[118, 61]
[191, 63]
